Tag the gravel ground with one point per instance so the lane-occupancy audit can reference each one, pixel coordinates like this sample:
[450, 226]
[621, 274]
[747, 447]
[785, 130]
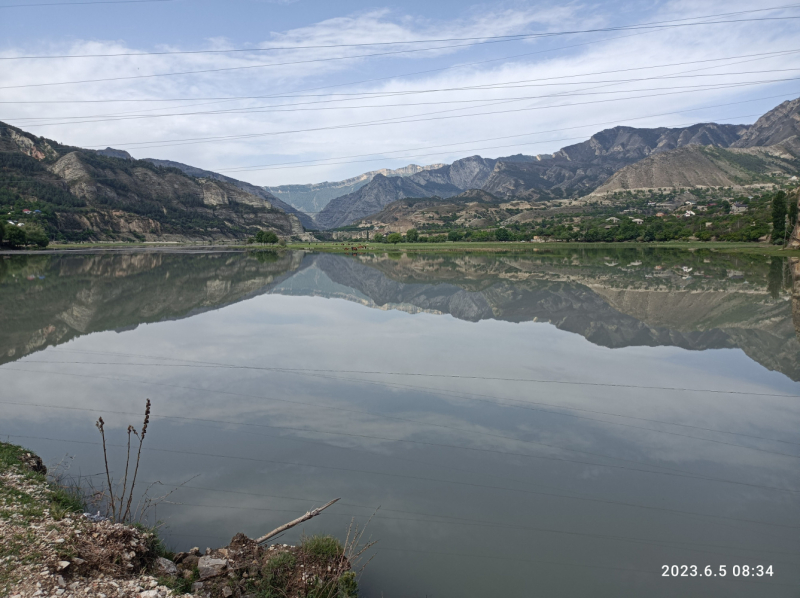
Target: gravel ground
[47, 552]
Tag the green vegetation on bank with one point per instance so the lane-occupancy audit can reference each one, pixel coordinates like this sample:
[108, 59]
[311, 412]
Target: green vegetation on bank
[537, 247]
[644, 216]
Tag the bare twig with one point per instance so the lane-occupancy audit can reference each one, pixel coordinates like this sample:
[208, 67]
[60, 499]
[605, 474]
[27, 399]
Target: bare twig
[138, 458]
[309, 515]
[100, 425]
[127, 463]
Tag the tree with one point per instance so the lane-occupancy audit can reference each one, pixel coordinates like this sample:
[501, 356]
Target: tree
[778, 217]
[394, 238]
[502, 234]
[2, 231]
[455, 235]
[38, 238]
[266, 236]
[775, 278]
[15, 236]
[412, 236]
[378, 237]
[792, 214]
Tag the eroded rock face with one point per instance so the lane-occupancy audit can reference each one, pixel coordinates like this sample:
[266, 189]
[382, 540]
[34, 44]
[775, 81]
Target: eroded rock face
[127, 199]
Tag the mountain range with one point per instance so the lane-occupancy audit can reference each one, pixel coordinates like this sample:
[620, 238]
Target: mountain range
[108, 195]
[313, 197]
[616, 158]
[87, 195]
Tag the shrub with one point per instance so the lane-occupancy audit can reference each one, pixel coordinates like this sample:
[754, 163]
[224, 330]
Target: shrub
[15, 236]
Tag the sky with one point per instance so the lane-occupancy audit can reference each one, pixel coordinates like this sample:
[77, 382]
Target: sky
[302, 91]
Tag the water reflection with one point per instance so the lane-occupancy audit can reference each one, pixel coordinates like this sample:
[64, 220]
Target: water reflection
[488, 484]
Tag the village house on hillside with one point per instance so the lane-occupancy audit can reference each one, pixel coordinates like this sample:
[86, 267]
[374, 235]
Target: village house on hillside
[738, 208]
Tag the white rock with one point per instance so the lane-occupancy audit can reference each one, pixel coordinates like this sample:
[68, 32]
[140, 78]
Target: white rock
[210, 567]
[149, 594]
[166, 567]
[63, 565]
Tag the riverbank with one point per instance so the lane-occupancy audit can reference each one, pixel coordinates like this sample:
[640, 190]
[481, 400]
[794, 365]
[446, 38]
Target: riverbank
[50, 548]
[448, 247]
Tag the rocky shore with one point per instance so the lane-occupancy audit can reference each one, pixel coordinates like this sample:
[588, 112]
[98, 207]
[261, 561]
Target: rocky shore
[50, 549]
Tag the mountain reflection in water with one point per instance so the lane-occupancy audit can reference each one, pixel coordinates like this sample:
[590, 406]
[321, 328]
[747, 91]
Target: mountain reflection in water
[554, 423]
[722, 301]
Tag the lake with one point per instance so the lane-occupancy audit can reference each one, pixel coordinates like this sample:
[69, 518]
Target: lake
[563, 422]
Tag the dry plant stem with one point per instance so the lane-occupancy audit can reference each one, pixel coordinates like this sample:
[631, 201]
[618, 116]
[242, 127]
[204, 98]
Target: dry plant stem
[309, 515]
[127, 463]
[138, 459]
[100, 424]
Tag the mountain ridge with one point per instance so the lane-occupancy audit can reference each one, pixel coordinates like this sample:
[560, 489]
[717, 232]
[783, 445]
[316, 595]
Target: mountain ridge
[574, 170]
[86, 195]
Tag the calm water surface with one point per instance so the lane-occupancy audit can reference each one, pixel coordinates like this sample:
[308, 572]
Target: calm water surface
[549, 424]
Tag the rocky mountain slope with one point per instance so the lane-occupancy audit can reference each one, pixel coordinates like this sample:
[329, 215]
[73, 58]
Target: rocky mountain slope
[84, 195]
[373, 197]
[312, 198]
[703, 166]
[572, 171]
[778, 126]
[657, 157]
[770, 146]
[473, 208]
[261, 192]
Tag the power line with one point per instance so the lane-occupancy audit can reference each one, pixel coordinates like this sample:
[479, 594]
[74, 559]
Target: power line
[372, 437]
[481, 39]
[278, 108]
[397, 120]
[365, 94]
[419, 374]
[454, 428]
[351, 470]
[331, 59]
[522, 404]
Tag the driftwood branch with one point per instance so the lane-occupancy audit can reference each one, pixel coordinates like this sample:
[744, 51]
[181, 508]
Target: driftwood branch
[312, 513]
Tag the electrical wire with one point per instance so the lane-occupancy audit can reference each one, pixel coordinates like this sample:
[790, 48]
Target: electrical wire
[480, 39]
[682, 473]
[355, 56]
[279, 108]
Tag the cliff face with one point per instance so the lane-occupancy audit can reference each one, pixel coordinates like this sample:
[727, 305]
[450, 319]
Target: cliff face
[781, 125]
[86, 195]
[304, 219]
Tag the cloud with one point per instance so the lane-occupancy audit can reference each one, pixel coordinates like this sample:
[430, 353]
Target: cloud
[394, 115]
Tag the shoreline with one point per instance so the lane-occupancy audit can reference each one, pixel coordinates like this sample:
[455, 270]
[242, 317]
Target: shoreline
[449, 247]
[50, 547]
